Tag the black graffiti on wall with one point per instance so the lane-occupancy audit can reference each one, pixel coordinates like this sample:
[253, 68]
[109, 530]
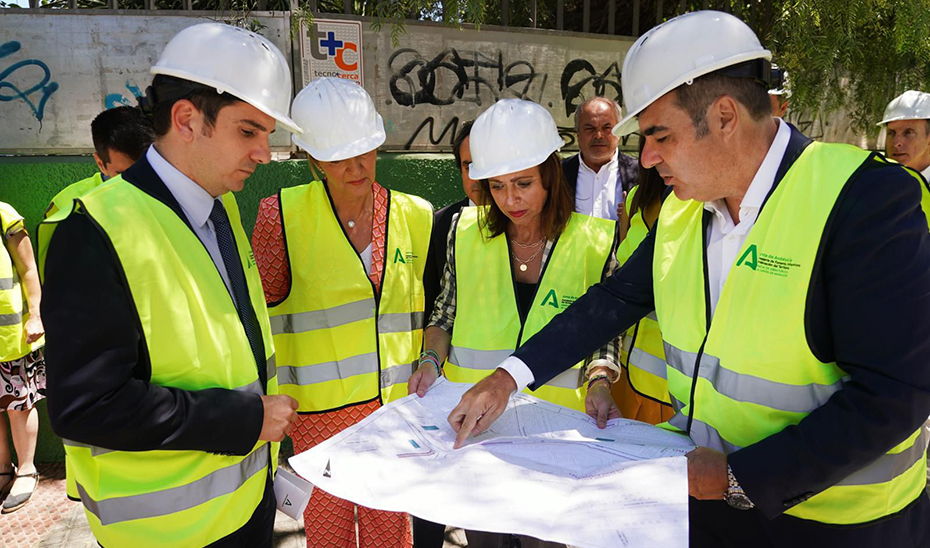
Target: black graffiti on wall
[579, 77]
[434, 139]
[454, 76]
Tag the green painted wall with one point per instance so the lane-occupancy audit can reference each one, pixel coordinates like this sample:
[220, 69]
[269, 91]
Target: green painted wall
[29, 184]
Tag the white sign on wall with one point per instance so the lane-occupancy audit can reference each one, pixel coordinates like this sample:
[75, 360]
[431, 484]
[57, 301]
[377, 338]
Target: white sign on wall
[333, 48]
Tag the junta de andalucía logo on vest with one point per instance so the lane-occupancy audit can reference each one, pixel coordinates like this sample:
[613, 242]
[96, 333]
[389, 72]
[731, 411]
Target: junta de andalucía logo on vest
[552, 299]
[766, 263]
[404, 257]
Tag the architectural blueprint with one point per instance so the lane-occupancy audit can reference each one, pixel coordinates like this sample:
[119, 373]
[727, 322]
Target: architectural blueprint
[540, 470]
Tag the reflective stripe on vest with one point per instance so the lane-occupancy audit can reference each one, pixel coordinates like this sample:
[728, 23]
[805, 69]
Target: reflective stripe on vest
[337, 342]
[487, 322]
[642, 354]
[170, 501]
[752, 373]
[187, 498]
[791, 398]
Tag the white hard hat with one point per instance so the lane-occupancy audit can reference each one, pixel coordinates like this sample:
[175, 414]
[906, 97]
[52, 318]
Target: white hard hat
[511, 136]
[339, 120]
[235, 61]
[680, 50]
[910, 105]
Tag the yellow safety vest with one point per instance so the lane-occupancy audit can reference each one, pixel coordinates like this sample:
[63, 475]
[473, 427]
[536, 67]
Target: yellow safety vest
[14, 312]
[60, 207]
[487, 322]
[195, 341]
[754, 371]
[643, 355]
[338, 341]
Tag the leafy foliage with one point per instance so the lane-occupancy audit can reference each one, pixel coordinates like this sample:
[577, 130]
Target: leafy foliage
[857, 54]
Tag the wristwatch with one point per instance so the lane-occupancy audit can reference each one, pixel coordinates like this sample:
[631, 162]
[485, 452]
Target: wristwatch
[735, 496]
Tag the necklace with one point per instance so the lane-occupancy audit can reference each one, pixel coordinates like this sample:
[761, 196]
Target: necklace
[351, 224]
[528, 246]
[524, 263]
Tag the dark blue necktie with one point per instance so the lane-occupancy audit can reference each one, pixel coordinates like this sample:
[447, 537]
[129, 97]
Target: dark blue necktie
[240, 289]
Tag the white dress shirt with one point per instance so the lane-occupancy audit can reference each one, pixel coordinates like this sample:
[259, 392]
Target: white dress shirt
[596, 192]
[926, 173]
[196, 203]
[724, 237]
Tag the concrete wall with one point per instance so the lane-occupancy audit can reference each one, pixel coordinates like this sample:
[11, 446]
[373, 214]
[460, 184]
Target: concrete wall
[61, 69]
[64, 68]
[29, 183]
[439, 77]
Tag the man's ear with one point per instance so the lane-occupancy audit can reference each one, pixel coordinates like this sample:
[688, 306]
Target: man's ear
[724, 116]
[186, 120]
[100, 165]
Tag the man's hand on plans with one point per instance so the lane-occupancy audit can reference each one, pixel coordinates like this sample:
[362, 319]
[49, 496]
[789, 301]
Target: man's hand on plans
[481, 405]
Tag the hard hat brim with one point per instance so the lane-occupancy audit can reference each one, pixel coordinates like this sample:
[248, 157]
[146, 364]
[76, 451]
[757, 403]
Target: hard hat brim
[342, 152]
[285, 121]
[897, 118]
[629, 123]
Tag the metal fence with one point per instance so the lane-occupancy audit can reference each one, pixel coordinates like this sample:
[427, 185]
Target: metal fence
[605, 17]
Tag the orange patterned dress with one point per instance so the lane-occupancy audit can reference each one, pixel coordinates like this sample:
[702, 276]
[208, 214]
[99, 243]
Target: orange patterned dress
[329, 521]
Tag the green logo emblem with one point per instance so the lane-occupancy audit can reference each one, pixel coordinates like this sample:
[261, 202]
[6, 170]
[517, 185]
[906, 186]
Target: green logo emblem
[551, 299]
[399, 257]
[753, 258]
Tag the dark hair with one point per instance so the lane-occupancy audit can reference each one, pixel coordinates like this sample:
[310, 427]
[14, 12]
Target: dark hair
[460, 137]
[204, 98]
[123, 129]
[696, 98]
[650, 186]
[555, 212]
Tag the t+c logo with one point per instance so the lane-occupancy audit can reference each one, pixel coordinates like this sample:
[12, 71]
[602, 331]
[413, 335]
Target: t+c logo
[326, 45]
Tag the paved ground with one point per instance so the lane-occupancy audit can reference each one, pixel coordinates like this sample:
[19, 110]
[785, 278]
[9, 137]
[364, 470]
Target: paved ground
[51, 520]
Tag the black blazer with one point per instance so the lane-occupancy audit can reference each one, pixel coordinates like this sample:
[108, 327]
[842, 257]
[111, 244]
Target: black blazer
[626, 172]
[866, 310]
[98, 365]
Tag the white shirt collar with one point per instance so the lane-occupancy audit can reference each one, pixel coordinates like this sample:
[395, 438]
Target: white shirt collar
[764, 179]
[608, 165]
[926, 173]
[194, 200]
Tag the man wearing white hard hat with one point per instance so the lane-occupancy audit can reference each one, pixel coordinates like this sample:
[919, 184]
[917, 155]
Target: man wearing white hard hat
[907, 130]
[342, 260]
[790, 281]
[164, 385]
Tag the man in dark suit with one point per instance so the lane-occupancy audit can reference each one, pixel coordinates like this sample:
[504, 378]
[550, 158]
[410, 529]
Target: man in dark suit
[793, 315]
[599, 175]
[161, 369]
